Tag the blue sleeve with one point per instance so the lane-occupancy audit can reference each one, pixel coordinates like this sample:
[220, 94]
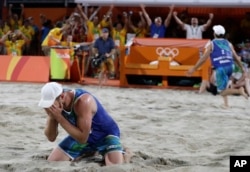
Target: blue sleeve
[152, 26]
[152, 29]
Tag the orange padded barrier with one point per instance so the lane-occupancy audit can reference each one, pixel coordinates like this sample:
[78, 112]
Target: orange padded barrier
[146, 50]
[170, 42]
[24, 68]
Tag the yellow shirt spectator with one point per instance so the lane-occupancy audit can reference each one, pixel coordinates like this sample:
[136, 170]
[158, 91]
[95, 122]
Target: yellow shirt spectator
[119, 37]
[28, 31]
[140, 33]
[4, 30]
[104, 23]
[16, 25]
[93, 31]
[54, 34]
[14, 48]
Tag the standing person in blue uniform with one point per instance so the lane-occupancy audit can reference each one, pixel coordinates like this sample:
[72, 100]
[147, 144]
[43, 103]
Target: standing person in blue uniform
[222, 56]
[91, 129]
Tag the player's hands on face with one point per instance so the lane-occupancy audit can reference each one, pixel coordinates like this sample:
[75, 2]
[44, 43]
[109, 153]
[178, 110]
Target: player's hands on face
[49, 113]
[55, 110]
[57, 107]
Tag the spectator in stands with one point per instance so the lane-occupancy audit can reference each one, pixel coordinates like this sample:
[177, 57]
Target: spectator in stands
[4, 29]
[14, 42]
[157, 29]
[34, 49]
[54, 37]
[177, 30]
[46, 27]
[193, 31]
[93, 25]
[16, 21]
[104, 48]
[119, 31]
[221, 53]
[106, 18]
[43, 18]
[140, 30]
[29, 32]
[79, 33]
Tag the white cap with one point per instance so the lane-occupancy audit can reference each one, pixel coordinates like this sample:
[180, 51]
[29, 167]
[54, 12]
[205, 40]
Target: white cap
[49, 93]
[219, 30]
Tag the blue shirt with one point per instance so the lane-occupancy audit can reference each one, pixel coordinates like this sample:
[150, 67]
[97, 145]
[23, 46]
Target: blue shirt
[44, 32]
[221, 54]
[104, 46]
[159, 30]
[102, 123]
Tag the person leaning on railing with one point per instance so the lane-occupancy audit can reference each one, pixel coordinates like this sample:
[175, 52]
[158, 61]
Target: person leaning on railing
[54, 37]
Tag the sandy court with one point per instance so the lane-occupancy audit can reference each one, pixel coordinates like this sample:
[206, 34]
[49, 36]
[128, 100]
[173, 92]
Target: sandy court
[168, 130]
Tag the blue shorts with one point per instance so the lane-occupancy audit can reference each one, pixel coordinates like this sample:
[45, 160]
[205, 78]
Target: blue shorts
[74, 149]
[223, 75]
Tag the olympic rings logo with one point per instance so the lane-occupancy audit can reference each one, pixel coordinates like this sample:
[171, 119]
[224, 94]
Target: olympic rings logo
[170, 52]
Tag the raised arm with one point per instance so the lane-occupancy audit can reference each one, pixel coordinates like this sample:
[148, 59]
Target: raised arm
[5, 37]
[149, 21]
[43, 18]
[10, 11]
[110, 24]
[130, 24]
[107, 16]
[94, 13]
[83, 15]
[125, 15]
[20, 33]
[142, 18]
[209, 21]
[167, 20]
[178, 21]
[22, 12]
